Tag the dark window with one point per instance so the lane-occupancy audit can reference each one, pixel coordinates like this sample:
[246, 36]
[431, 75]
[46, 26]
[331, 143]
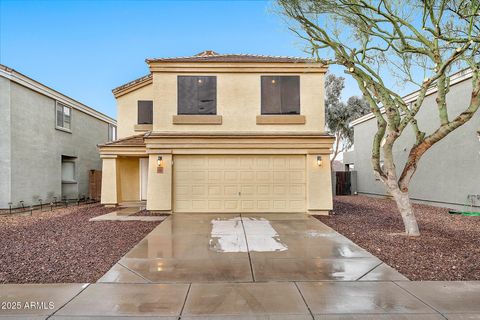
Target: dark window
[280, 95]
[197, 95]
[145, 112]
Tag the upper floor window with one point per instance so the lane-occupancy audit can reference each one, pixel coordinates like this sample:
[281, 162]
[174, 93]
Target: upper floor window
[64, 116]
[145, 112]
[112, 132]
[280, 94]
[197, 95]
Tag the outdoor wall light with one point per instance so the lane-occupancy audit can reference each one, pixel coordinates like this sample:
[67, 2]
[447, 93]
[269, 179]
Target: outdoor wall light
[200, 81]
[319, 161]
[160, 163]
[273, 81]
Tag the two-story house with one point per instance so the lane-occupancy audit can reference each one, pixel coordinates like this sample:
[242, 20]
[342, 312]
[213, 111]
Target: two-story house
[48, 142]
[222, 133]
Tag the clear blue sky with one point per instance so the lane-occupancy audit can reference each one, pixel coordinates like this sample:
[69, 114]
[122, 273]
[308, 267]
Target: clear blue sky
[86, 48]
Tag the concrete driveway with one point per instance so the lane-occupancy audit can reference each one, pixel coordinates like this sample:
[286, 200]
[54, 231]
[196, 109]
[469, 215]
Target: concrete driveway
[247, 267]
[189, 248]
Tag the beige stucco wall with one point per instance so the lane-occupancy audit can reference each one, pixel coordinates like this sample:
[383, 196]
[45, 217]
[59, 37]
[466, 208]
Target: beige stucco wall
[159, 190]
[238, 102]
[127, 110]
[128, 180]
[109, 181]
[319, 184]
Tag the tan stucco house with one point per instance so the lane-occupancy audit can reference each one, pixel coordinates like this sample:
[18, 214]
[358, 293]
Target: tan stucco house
[221, 133]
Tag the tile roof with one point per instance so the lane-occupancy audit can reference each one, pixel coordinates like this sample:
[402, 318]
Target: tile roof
[132, 83]
[131, 141]
[212, 56]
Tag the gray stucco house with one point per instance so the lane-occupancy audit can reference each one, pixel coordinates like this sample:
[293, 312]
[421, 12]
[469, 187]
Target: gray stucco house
[48, 142]
[449, 173]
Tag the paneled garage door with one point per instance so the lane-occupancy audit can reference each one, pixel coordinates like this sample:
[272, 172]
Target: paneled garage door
[239, 183]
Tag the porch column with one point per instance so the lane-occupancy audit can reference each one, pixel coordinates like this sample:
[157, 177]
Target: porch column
[109, 180]
[159, 190]
[319, 184]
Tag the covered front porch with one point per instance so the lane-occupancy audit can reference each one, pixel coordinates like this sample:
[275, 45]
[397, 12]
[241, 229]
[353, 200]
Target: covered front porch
[124, 172]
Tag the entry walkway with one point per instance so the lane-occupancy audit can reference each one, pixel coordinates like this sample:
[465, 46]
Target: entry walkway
[246, 267]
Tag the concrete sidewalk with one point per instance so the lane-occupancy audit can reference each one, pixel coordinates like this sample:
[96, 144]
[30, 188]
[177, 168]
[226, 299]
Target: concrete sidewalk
[259, 300]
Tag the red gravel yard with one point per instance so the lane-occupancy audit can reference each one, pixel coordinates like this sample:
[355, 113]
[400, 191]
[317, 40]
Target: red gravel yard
[448, 248]
[63, 246]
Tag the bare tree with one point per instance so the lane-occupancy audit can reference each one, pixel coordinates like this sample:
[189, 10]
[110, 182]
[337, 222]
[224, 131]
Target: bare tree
[339, 114]
[419, 42]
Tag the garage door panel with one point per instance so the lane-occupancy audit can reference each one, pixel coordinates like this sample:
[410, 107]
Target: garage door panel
[215, 163]
[215, 205]
[215, 191]
[280, 177]
[247, 176]
[231, 162]
[239, 183]
[198, 190]
[230, 190]
[280, 163]
[264, 204]
[196, 176]
[182, 190]
[263, 177]
[247, 162]
[296, 176]
[297, 190]
[264, 163]
[247, 204]
[230, 176]
[231, 205]
[263, 190]
[296, 163]
[297, 204]
[197, 162]
[279, 204]
[280, 190]
[199, 205]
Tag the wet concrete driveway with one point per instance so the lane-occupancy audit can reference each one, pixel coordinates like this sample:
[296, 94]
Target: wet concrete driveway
[248, 267]
[189, 248]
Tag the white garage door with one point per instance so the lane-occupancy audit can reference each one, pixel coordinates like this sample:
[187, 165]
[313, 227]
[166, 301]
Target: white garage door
[239, 183]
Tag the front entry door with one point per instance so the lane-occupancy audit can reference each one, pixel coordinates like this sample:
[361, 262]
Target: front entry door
[143, 178]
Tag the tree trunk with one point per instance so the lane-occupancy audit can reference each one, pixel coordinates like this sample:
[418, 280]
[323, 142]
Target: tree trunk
[405, 207]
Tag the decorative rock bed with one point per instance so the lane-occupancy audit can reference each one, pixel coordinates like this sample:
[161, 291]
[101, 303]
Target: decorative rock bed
[63, 246]
[448, 248]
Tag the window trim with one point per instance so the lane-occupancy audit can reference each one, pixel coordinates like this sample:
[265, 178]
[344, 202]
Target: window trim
[299, 95]
[63, 106]
[266, 119]
[178, 95]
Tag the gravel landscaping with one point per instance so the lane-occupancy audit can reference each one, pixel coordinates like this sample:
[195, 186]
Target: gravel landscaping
[63, 246]
[146, 213]
[448, 248]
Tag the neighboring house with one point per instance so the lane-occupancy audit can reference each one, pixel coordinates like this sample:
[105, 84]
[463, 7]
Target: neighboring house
[48, 142]
[338, 165]
[449, 172]
[222, 133]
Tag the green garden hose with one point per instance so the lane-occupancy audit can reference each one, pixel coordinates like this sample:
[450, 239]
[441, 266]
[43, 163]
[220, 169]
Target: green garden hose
[465, 213]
